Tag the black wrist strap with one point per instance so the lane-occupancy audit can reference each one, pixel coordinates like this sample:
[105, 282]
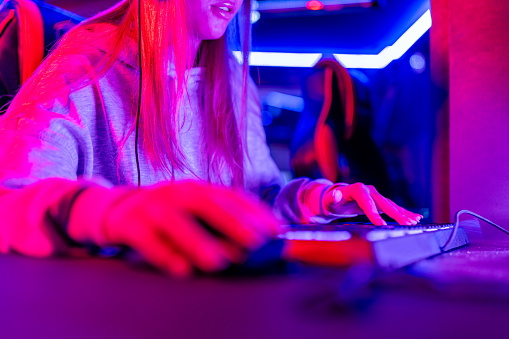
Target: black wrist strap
[58, 217]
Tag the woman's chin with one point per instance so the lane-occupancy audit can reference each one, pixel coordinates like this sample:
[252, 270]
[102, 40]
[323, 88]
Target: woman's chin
[212, 34]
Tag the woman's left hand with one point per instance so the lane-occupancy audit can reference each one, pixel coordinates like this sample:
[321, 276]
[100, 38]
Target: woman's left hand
[365, 199]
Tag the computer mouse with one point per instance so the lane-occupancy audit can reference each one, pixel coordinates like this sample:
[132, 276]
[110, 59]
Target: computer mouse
[264, 260]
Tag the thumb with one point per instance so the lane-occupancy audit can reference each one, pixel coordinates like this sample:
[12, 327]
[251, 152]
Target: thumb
[333, 197]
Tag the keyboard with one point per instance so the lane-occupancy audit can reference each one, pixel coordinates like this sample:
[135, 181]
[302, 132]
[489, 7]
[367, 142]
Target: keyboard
[388, 247]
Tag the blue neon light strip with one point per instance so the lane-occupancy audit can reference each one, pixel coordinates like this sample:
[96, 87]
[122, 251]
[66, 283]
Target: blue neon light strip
[380, 60]
[389, 53]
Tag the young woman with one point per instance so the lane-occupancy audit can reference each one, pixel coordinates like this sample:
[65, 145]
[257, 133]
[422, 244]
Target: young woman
[84, 131]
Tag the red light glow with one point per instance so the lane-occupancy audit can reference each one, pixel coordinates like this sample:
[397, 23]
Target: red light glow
[314, 5]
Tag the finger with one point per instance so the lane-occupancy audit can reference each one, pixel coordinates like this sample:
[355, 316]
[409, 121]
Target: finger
[234, 253]
[230, 214]
[188, 237]
[361, 195]
[235, 200]
[164, 257]
[402, 216]
[337, 203]
[158, 253]
[391, 210]
[408, 213]
[145, 220]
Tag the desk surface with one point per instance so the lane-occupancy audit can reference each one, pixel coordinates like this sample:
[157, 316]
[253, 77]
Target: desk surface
[464, 294]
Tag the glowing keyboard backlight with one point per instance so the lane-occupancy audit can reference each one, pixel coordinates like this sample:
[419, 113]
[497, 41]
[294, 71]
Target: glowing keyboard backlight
[377, 235]
[316, 235]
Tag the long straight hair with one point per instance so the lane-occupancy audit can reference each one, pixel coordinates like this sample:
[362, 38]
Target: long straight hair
[164, 40]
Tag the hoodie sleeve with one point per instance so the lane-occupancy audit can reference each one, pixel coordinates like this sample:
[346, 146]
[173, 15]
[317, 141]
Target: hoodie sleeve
[42, 146]
[30, 217]
[42, 153]
[36, 219]
[39, 183]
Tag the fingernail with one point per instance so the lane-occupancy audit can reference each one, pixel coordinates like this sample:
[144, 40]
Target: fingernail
[407, 221]
[337, 196]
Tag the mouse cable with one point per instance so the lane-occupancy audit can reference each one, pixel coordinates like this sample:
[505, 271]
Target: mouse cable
[139, 96]
[457, 222]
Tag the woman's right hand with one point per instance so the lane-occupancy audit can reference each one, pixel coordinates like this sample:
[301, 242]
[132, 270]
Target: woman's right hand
[186, 225]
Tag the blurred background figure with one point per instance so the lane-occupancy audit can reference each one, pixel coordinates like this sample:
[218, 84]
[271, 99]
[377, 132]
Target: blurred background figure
[333, 136]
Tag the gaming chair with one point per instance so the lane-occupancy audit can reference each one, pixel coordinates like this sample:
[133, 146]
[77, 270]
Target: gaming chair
[28, 30]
